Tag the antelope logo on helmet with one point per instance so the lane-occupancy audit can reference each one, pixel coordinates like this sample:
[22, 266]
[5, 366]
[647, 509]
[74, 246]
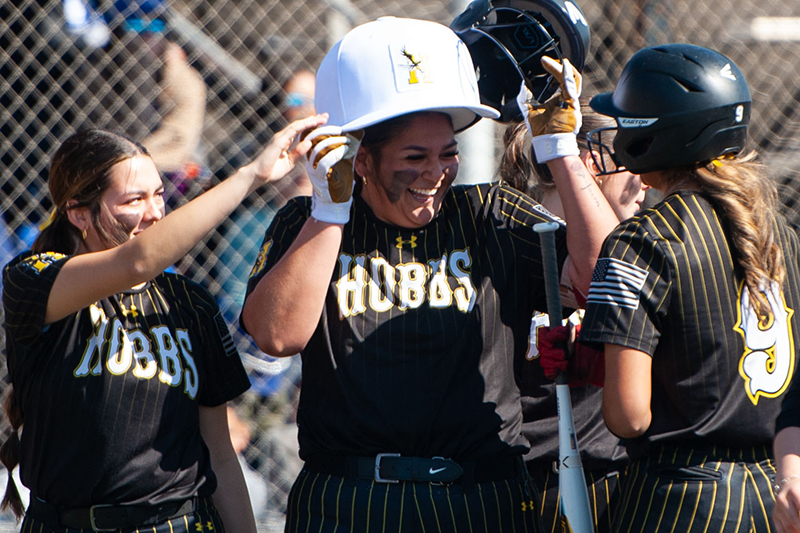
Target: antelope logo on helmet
[416, 72]
[626, 122]
[727, 73]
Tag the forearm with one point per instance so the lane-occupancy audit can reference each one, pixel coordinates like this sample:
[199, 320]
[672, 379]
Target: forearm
[171, 238]
[588, 215]
[787, 479]
[285, 307]
[628, 391]
[231, 497]
[787, 452]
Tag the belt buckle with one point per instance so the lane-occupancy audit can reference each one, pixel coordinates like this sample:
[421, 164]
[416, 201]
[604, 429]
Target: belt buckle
[92, 517]
[378, 459]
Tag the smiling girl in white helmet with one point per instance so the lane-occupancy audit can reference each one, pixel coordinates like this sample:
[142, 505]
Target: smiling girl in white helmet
[410, 298]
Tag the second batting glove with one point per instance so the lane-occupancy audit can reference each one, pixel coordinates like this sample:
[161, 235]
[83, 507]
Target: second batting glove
[554, 125]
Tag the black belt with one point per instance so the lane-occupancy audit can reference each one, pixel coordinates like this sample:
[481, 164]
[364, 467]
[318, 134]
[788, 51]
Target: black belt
[393, 468]
[108, 517]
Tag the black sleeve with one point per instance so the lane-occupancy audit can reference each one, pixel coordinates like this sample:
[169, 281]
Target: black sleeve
[27, 281]
[280, 235]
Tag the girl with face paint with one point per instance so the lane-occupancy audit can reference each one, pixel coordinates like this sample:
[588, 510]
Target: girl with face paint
[409, 298]
[120, 371]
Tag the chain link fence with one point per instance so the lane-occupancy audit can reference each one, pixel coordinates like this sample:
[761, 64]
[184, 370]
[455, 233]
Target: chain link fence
[60, 73]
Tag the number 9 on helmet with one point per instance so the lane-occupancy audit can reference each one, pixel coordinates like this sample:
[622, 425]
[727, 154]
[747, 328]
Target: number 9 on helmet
[507, 39]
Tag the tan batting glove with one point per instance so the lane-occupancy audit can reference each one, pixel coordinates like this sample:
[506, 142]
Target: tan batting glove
[554, 124]
[330, 169]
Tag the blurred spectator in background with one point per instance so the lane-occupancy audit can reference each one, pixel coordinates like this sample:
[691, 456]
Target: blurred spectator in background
[241, 236]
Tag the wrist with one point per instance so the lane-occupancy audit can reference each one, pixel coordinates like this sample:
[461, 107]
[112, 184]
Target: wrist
[555, 145]
[331, 212]
[779, 485]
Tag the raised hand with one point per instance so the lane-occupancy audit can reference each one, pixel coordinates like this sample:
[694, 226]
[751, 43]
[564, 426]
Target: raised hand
[282, 154]
[548, 123]
[330, 169]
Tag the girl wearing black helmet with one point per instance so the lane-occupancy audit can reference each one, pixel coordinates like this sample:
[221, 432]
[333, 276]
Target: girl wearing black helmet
[693, 299]
[602, 458]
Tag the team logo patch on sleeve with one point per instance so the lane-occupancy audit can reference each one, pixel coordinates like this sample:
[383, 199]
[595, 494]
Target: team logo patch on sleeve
[39, 262]
[616, 283]
[261, 260]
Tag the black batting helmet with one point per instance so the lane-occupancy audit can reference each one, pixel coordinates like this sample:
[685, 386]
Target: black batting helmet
[507, 39]
[676, 105]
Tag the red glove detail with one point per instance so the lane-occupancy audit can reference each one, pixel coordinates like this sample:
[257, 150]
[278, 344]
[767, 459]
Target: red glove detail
[552, 345]
[583, 365]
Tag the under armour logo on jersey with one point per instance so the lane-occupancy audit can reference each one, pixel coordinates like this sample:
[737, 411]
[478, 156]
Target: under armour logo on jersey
[132, 312]
[727, 72]
[400, 242]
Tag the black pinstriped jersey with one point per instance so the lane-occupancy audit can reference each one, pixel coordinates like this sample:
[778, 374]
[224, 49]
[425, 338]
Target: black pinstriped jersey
[666, 285]
[415, 350]
[110, 394]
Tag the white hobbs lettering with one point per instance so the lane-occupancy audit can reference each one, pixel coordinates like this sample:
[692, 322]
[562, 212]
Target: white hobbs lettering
[379, 286]
[122, 351]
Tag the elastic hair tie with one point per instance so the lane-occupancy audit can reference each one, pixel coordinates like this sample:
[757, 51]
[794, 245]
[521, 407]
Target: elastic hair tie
[50, 219]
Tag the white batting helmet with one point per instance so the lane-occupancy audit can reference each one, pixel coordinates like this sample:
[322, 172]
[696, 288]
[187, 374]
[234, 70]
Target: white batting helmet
[394, 66]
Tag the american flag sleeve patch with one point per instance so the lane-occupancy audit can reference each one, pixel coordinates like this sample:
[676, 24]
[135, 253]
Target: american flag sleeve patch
[225, 336]
[616, 283]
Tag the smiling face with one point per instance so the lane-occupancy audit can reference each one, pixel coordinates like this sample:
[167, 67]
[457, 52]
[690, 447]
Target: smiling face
[405, 180]
[134, 198]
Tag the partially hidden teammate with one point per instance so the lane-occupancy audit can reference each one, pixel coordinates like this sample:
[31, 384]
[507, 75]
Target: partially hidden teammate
[695, 300]
[603, 459]
[409, 298]
[120, 371]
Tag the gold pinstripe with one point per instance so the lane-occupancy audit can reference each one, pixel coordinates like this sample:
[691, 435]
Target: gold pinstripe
[469, 515]
[694, 510]
[497, 503]
[369, 504]
[511, 504]
[728, 497]
[353, 503]
[297, 506]
[483, 508]
[680, 507]
[386, 505]
[742, 493]
[435, 511]
[310, 491]
[402, 507]
[638, 499]
[419, 511]
[321, 502]
[758, 495]
[338, 499]
[450, 505]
